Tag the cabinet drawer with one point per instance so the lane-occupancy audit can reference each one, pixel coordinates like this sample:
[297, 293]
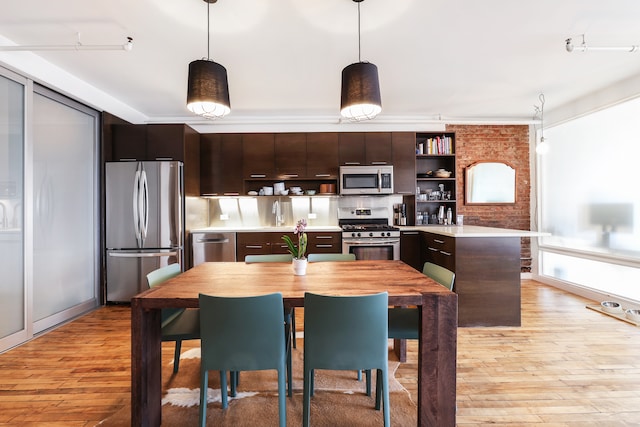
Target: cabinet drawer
[328, 242]
[440, 250]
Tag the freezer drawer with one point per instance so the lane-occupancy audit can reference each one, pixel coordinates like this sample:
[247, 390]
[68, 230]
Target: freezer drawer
[127, 271]
[215, 247]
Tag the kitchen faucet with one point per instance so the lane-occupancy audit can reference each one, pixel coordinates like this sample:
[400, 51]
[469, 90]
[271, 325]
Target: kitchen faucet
[278, 213]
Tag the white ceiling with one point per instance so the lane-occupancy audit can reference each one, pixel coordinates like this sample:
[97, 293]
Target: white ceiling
[449, 60]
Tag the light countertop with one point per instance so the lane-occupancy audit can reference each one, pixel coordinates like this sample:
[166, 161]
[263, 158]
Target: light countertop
[474, 231]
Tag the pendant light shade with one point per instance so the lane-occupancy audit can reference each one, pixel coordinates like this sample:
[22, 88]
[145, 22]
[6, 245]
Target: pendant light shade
[207, 84]
[208, 89]
[360, 98]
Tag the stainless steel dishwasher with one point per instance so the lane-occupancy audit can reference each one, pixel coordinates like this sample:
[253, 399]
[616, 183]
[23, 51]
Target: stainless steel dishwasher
[216, 247]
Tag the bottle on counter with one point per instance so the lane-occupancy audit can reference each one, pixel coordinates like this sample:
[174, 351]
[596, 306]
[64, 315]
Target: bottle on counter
[449, 216]
[441, 215]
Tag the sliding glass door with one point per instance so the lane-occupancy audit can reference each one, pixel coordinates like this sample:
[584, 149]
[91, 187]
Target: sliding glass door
[13, 316]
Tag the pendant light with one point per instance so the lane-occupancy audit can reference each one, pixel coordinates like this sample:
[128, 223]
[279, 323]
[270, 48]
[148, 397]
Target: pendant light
[360, 95]
[542, 147]
[207, 87]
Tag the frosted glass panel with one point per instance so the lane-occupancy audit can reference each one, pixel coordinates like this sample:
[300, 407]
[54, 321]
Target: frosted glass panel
[589, 195]
[12, 295]
[64, 219]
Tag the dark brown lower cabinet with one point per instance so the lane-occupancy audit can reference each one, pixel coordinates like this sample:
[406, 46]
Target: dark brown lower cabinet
[261, 243]
[487, 276]
[411, 249]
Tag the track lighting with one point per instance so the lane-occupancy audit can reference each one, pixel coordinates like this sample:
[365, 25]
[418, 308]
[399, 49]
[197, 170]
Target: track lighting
[127, 46]
[584, 48]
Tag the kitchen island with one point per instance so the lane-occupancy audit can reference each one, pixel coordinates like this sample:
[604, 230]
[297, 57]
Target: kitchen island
[486, 261]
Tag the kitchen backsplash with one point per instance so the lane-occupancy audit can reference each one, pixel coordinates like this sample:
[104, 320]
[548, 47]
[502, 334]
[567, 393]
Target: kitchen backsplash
[272, 211]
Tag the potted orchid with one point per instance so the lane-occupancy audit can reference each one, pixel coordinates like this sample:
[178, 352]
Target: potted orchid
[298, 251]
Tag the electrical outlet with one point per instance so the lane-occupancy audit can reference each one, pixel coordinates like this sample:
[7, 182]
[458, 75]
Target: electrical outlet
[312, 215]
[224, 217]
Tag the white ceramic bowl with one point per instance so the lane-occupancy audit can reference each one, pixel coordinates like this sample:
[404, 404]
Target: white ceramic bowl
[284, 192]
[611, 307]
[311, 192]
[633, 314]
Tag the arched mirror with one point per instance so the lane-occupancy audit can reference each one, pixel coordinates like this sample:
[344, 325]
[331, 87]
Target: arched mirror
[490, 183]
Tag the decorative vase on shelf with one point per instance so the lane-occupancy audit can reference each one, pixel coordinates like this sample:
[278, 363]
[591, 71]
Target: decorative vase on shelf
[299, 266]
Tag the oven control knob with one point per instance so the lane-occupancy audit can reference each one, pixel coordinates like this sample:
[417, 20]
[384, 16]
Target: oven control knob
[388, 234]
[370, 234]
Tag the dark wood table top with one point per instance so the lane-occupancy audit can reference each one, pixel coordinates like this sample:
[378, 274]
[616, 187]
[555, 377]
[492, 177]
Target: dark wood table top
[404, 284]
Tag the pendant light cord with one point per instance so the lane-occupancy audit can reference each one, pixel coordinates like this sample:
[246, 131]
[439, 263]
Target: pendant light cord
[208, 37]
[359, 45]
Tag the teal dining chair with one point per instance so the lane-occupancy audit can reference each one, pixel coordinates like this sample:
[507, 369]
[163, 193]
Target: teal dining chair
[404, 322]
[178, 324]
[251, 340]
[331, 257]
[289, 312]
[346, 333]
[268, 258]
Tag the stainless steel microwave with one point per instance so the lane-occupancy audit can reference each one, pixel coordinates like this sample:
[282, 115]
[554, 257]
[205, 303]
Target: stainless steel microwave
[366, 180]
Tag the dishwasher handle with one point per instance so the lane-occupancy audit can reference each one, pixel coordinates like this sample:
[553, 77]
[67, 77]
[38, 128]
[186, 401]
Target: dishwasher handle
[218, 240]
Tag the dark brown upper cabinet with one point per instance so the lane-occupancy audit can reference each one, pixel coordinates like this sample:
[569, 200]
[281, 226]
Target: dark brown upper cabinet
[404, 162]
[220, 164]
[258, 155]
[323, 157]
[370, 148]
[160, 142]
[291, 155]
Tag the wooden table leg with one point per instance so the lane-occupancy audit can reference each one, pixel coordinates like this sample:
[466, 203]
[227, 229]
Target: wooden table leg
[437, 360]
[146, 374]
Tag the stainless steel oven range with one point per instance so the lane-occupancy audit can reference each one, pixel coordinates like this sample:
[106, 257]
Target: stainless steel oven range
[367, 234]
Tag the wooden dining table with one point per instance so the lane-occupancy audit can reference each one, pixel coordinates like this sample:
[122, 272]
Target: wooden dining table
[405, 285]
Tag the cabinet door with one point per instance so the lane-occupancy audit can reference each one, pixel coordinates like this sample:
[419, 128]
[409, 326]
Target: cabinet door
[220, 164]
[129, 142]
[378, 148]
[410, 249]
[323, 157]
[165, 142]
[291, 155]
[352, 151]
[404, 162]
[258, 154]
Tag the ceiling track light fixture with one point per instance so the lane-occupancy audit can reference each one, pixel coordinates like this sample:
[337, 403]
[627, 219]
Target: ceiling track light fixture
[127, 46]
[207, 85]
[583, 47]
[360, 95]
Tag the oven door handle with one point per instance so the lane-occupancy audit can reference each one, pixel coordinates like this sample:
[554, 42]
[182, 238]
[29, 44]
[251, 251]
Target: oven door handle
[374, 242]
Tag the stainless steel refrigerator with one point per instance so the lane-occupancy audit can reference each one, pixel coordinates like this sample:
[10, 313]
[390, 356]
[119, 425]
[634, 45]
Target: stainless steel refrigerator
[144, 223]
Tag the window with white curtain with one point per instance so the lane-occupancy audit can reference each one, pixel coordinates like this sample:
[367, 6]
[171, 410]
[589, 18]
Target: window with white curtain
[590, 202]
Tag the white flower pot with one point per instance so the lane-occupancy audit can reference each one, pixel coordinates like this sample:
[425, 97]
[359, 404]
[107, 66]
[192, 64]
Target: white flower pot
[299, 266]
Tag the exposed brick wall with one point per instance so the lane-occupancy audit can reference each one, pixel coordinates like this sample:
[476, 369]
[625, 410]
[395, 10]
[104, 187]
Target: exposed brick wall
[505, 143]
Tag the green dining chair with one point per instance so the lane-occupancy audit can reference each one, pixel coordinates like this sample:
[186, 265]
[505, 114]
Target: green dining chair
[268, 258]
[331, 257]
[337, 257]
[404, 322]
[251, 340]
[178, 324]
[346, 333]
[289, 312]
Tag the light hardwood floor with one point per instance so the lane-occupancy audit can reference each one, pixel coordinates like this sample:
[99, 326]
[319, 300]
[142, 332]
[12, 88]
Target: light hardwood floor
[566, 366]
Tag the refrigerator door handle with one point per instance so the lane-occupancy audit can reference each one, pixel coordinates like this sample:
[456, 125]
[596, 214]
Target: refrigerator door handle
[141, 255]
[136, 207]
[144, 205]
